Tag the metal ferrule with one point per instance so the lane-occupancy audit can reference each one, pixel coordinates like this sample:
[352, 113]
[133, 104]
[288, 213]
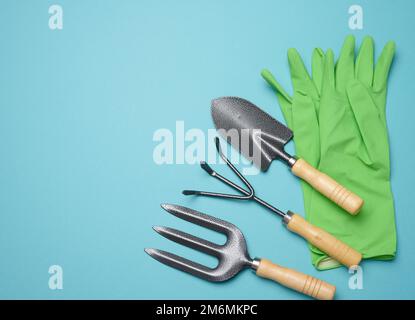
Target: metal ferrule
[287, 217]
[255, 263]
[291, 162]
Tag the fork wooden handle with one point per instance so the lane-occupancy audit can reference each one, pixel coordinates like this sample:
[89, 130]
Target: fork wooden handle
[323, 240]
[328, 187]
[295, 280]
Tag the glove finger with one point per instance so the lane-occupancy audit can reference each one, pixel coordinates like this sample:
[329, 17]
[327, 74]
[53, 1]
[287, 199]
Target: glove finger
[268, 77]
[364, 62]
[383, 66]
[284, 99]
[328, 109]
[369, 121]
[345, 64]
[317, 68]
[306, 129]
[328, 75]
[299, 74]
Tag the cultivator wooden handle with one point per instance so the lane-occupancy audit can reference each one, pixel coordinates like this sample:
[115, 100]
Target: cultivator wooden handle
[323, 240]
[328, 187]
[295, 280]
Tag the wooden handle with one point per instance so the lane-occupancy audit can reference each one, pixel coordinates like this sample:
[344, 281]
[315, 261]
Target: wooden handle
[323, 240]
[295, 280]
[327, 186]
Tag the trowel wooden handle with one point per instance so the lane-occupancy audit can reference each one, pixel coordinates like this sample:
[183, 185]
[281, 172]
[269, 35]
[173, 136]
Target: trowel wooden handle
[327, 186]
[323, 240]
[295, 280]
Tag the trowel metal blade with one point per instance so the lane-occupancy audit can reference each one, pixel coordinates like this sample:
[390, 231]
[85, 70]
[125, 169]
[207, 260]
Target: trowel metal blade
[255, 134]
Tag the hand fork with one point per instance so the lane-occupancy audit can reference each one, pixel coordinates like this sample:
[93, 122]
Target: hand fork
[233, 256]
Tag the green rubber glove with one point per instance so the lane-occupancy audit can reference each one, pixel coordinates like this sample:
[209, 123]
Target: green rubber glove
[339, 124]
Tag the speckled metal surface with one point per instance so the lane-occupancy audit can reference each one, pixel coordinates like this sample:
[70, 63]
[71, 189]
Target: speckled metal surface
[261, 138]
[233, 255]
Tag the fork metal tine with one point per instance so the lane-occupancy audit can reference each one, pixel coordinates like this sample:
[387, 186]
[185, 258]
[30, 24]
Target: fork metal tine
[199, 218]
[189, 240]
[183, 264]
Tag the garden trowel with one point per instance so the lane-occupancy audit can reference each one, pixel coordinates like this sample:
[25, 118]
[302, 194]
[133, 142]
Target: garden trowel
[261, 139]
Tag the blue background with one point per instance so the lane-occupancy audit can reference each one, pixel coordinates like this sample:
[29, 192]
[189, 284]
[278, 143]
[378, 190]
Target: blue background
[78, 109]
